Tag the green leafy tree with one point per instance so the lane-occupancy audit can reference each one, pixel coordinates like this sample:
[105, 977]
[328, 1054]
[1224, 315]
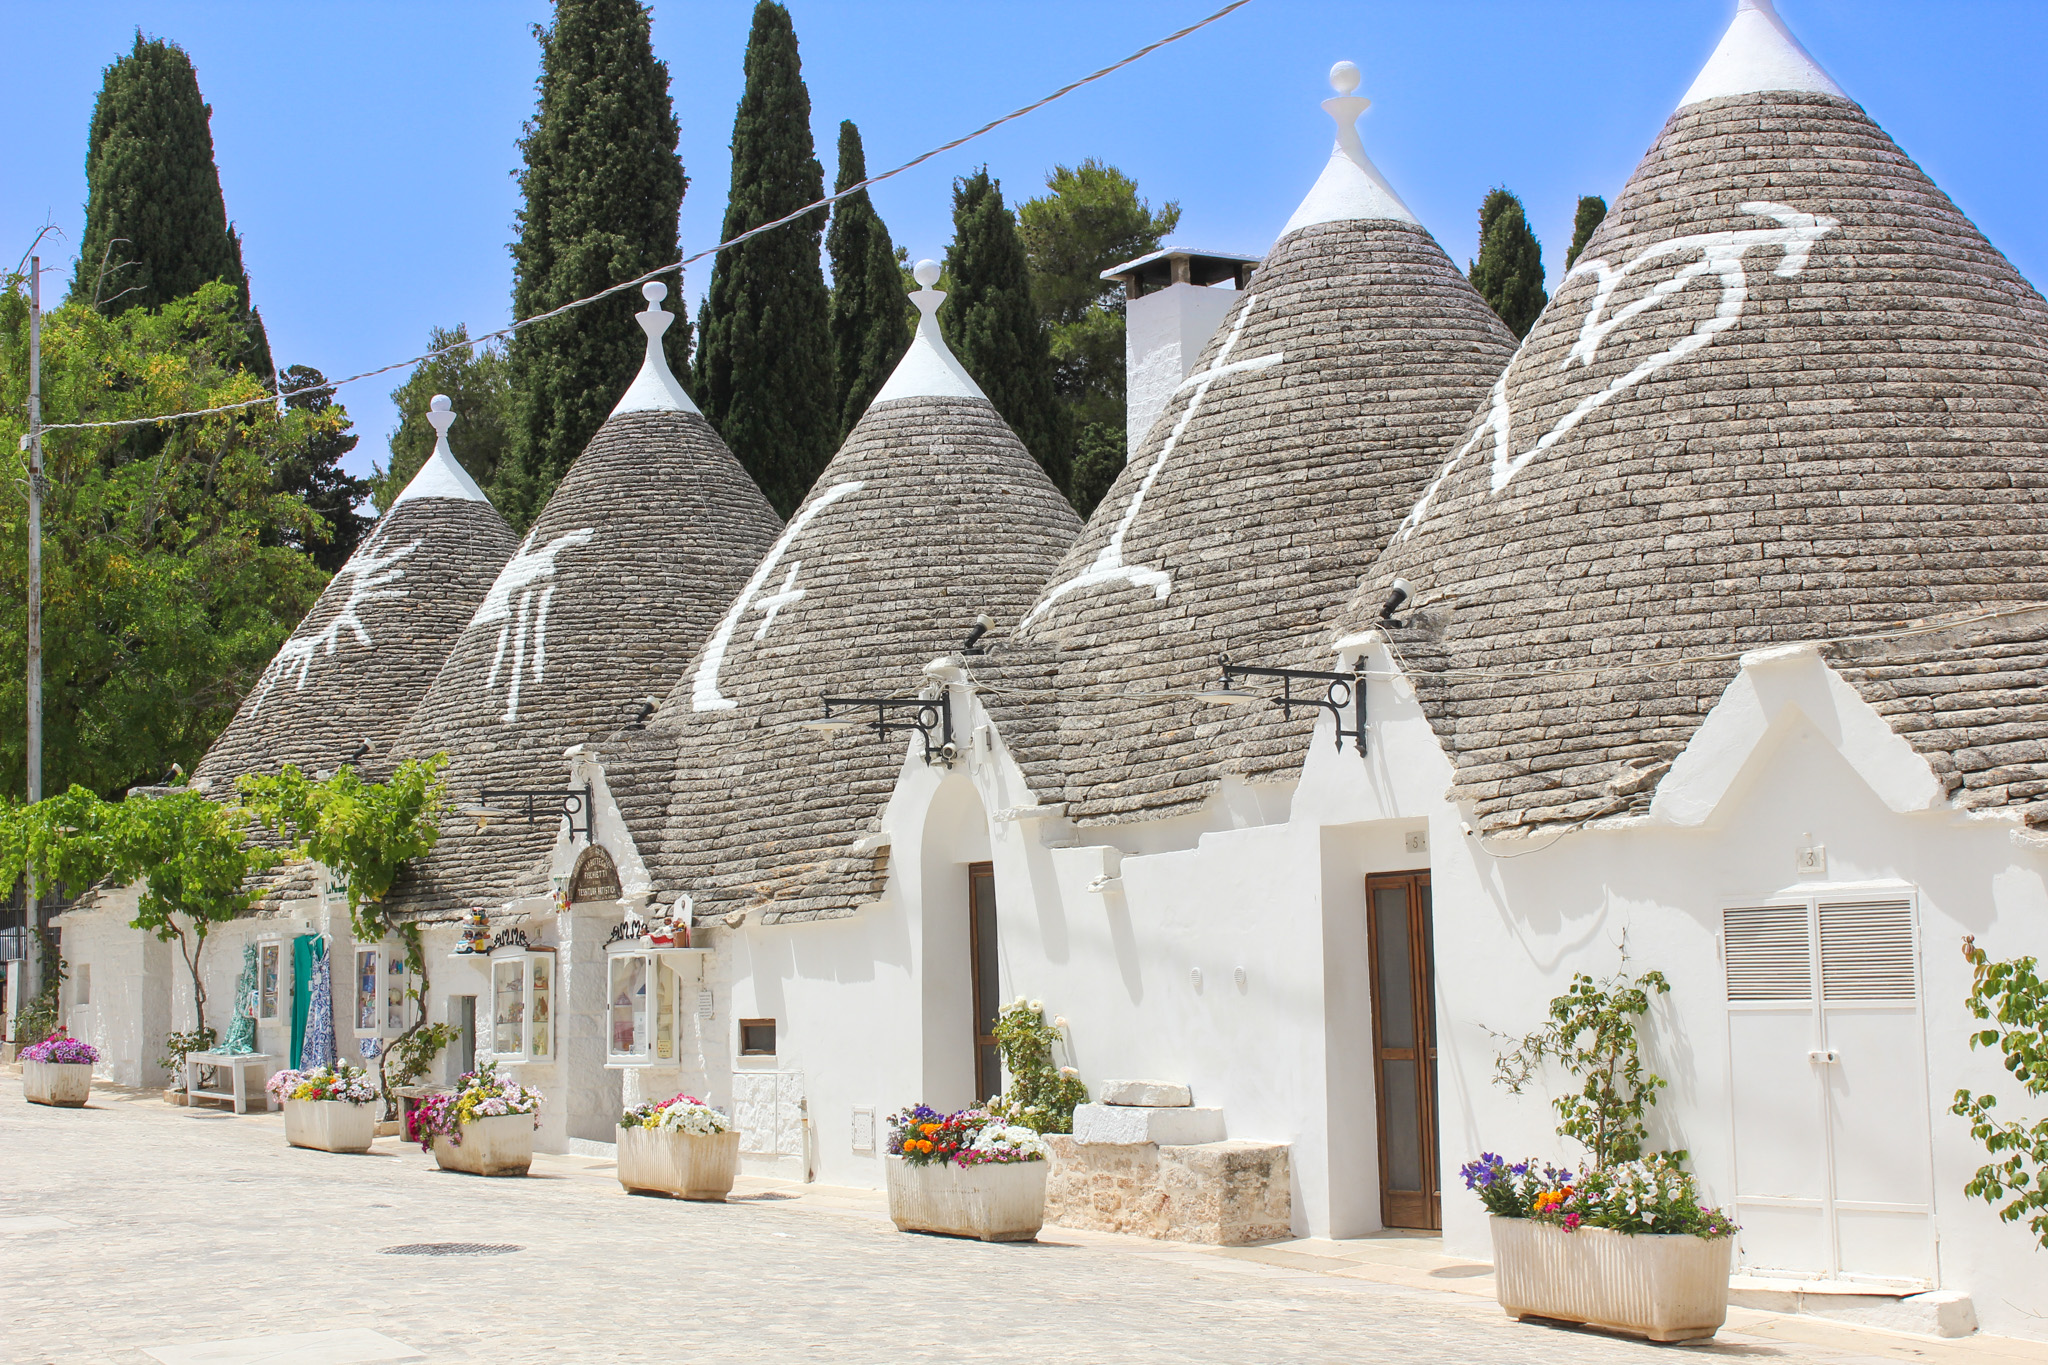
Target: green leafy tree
[994, 327]
[2012, 998]
[170, 573]
[1092, 219]
[1509, 271]
[602, 186]
[1592, 1036]
[477, 381]
[186, 852]
[311, 471]
[1592, 208]
[365, 833]
[765, 369]
[156, 227]
[871, 323]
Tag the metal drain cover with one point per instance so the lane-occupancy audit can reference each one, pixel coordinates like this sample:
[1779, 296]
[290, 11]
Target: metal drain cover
[451, 1249]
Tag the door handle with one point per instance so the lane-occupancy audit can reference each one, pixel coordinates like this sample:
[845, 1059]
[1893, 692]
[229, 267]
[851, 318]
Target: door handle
[1825, 1055]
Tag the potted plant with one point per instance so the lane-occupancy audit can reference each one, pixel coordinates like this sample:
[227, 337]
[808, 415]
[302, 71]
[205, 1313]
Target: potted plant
[966, 1175]
[484, 1126]
[1629, 1247]
[328, 1109]
[682, 1146]
[58, 1071]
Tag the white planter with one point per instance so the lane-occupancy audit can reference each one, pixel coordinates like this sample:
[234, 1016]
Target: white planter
[689, 1165]
[331, 1125]
[997, 1201]
[1664, 1288]
[494, 1146]
[64, 1084]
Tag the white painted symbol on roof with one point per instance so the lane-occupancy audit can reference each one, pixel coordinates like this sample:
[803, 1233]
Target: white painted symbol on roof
[1720, 254]
[1108, 565]
[772, 605]
[528, 622]
[705, 695]
[369, 575]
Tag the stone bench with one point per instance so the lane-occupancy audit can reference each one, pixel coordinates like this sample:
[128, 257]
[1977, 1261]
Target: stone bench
[1219, 1193]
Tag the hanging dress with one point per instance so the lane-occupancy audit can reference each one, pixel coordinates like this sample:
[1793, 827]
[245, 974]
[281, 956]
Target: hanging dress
[319, 1049]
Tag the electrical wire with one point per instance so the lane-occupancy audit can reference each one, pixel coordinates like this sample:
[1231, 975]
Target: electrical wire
[622, 285]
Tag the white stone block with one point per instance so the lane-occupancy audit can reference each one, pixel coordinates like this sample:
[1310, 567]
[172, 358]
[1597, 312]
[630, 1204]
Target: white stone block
[1176, 1126]
[1145, 1094]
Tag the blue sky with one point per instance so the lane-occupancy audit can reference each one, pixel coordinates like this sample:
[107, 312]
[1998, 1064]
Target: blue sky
[366, 148]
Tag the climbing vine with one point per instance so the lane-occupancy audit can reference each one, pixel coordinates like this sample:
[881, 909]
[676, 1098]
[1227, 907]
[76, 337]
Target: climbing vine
[1592, 1035]
[1042, 1094]
[2012, 998]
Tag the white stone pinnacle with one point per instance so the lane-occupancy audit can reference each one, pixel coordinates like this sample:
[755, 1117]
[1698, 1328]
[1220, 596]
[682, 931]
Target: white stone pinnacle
[655, 388]
[1756, 54]
[928, 369]
[442, 476]
[1351, 188]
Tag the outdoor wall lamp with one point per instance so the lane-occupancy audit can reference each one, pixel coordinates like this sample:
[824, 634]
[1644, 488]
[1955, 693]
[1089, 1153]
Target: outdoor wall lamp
[927, 716]
[1343, 693]
[537, 806]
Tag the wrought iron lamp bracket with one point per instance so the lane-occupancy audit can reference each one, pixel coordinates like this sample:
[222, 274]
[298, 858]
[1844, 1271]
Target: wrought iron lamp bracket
[1343, 695]
[927, 716]
[541, 804]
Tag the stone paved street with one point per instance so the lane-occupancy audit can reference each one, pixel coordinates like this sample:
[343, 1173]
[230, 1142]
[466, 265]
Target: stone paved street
[133, 1226]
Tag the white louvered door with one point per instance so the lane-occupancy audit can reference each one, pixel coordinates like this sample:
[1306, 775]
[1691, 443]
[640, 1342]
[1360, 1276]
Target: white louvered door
[1829, 1089]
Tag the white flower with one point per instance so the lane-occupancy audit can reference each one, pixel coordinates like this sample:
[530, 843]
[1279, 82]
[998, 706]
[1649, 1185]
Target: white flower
[1059, 1021]
[1038, 1005]
[1068, 1071]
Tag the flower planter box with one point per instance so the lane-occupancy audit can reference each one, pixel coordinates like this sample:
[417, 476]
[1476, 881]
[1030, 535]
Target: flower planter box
[996, 1201]
[66, 1085]
[493, 1146]
[688, 1165]
[330, 1125]
[1663, 1288]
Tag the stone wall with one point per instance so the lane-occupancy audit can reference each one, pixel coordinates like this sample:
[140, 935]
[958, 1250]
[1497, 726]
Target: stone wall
[1221, 1193]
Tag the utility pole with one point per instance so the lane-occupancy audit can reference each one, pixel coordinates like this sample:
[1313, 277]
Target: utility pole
[34, 441]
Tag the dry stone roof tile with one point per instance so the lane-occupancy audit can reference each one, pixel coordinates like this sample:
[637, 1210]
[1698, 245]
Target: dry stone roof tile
[628, 567]
[1788, 393]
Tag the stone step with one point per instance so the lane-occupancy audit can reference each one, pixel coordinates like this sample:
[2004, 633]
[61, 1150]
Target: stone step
[1894, 1308]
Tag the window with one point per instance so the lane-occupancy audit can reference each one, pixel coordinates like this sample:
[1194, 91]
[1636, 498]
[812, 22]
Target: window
[266, 980]
[757, 1037]
[366, 990]
[84, 979]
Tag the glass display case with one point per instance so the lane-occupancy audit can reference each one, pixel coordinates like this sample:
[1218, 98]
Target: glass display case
[644, 1006]
[384, 986]
[522, 1005]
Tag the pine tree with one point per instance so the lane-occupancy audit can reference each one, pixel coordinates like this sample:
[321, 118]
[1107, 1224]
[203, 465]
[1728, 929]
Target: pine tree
[1592, 208]
[311, 471]
[1509, 271]
[156, 227]
[480, 392]
[1093, 219]
[765, 369]
[602, 186]
[871, 324]
[993, 326]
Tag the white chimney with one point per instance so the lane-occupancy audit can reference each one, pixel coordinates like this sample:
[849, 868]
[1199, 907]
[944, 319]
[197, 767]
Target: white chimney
[1173, 301]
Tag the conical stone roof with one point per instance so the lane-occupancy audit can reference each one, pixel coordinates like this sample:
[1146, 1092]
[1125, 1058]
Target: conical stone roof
[1788, 393]
[931, 514]
[1273, 476]
[370, 647]
[641, 547]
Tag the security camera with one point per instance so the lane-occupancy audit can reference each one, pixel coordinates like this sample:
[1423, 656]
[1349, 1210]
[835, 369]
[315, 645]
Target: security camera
[949, 751]
[1401, 593]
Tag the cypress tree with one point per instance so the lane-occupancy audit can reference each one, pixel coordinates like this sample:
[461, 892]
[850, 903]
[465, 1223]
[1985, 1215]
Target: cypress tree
[993, 326]
[156, 227]
[1509, 271]
[602, 186]
[765, 368]
[870, 321]
[1592, 208]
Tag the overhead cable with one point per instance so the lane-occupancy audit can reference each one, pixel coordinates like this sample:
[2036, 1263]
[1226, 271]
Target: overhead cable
[622, 285]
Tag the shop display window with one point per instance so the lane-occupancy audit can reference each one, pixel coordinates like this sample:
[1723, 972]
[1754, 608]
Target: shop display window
[267, 964]
[643, 1007]
[522, 1005]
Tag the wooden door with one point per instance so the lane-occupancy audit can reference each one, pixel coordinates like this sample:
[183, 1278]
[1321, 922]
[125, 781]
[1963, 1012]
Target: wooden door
[1404, 1048]
[982, 963]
